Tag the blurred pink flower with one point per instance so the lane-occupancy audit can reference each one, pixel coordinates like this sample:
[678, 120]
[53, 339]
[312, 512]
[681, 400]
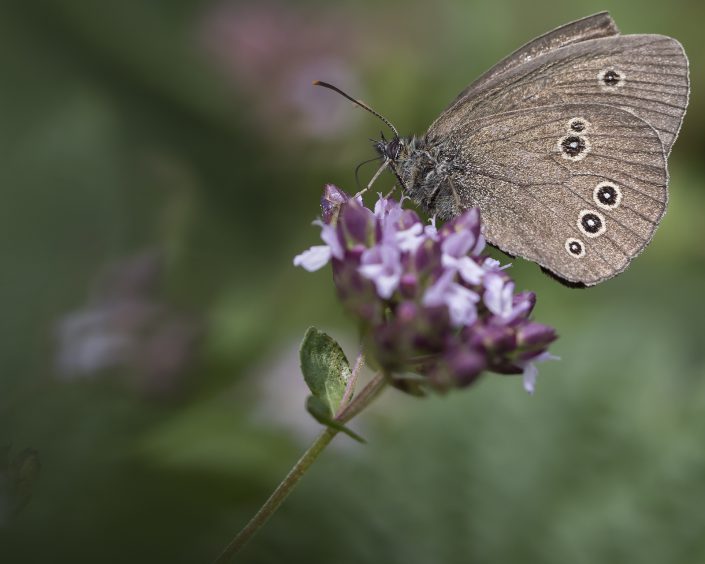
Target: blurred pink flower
[272, 53]
[125, 326]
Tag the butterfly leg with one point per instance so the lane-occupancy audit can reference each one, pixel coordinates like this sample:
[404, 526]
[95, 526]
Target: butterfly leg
[456, 197]
[381, 169]
[431, 201]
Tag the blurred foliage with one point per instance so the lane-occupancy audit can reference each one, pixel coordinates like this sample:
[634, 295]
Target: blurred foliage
[189, 129]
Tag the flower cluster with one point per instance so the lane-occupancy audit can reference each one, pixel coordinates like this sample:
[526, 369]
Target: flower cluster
[428, 301]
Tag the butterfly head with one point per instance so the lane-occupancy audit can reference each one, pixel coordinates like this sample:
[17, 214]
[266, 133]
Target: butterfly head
[390, 149]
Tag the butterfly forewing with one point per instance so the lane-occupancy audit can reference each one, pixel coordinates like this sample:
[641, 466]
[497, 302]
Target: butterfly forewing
[645, 74]
[580, 203]
[591, 27]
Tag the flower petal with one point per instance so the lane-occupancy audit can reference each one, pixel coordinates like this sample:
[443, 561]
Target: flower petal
[314, 258]
[382, 206]
[329, 234]
[498, 295]
[386, 284]
[529, 377]
[382, 265]
[531, 372]
[410, 239]
[430, 230]
[357, 222]
[458, 244]
[479, 245]
[459, 300]
[461, 305]
[470, 271]
[435, 294]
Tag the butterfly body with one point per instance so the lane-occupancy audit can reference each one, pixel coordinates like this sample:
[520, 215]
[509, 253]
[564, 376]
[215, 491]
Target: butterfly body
[426, 167]
[562, 146]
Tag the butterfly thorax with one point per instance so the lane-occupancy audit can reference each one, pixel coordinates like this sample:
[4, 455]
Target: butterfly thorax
[424, 166]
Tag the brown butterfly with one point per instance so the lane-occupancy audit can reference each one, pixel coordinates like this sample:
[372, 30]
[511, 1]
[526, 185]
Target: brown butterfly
[563, 146]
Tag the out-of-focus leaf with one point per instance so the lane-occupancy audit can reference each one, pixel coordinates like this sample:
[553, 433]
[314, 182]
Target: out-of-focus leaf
[321, 413]
[326, 371]
[325, 368]
[24, 470]
[18, 476]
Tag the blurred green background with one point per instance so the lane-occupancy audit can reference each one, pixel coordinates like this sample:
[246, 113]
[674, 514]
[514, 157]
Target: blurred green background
[160, 164]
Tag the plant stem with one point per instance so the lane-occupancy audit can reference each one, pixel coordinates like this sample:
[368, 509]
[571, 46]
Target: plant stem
[350, 387]
[358, 403]
[364, 398]
[278, 495]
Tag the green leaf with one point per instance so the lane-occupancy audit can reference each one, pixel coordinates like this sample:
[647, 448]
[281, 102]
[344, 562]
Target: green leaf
[325, 368]
[320, 413]
[326, 371]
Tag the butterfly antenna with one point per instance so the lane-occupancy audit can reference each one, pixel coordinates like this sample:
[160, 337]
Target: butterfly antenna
[358, 102]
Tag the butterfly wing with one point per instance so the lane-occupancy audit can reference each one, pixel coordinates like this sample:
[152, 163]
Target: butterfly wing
[644, 74]
[591, 27]
[581, 204]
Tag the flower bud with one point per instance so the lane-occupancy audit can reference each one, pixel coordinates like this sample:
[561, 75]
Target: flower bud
[333, 197]
[533, 335]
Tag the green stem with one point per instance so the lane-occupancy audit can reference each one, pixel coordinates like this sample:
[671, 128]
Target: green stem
[279, 495]
[373, 388]
[352, 382]
[358, 403]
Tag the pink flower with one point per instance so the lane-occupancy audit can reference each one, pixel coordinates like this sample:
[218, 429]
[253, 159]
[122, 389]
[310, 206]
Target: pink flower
[429, 301]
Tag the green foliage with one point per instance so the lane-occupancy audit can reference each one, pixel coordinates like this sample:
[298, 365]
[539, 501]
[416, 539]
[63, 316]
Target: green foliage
[326, 371]
[325, 368]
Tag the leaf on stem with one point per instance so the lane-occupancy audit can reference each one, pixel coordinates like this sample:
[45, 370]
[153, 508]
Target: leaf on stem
[326, 371]
[321, 413]
[325, 368]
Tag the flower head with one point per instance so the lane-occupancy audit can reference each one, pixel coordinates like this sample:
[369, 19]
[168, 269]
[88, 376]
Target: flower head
[427, 300]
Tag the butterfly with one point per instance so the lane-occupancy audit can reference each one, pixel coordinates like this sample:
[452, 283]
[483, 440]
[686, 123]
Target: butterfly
[563, 145]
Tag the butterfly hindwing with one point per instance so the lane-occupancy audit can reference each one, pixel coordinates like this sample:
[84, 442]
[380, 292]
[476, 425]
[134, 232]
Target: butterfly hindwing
[579, 190]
